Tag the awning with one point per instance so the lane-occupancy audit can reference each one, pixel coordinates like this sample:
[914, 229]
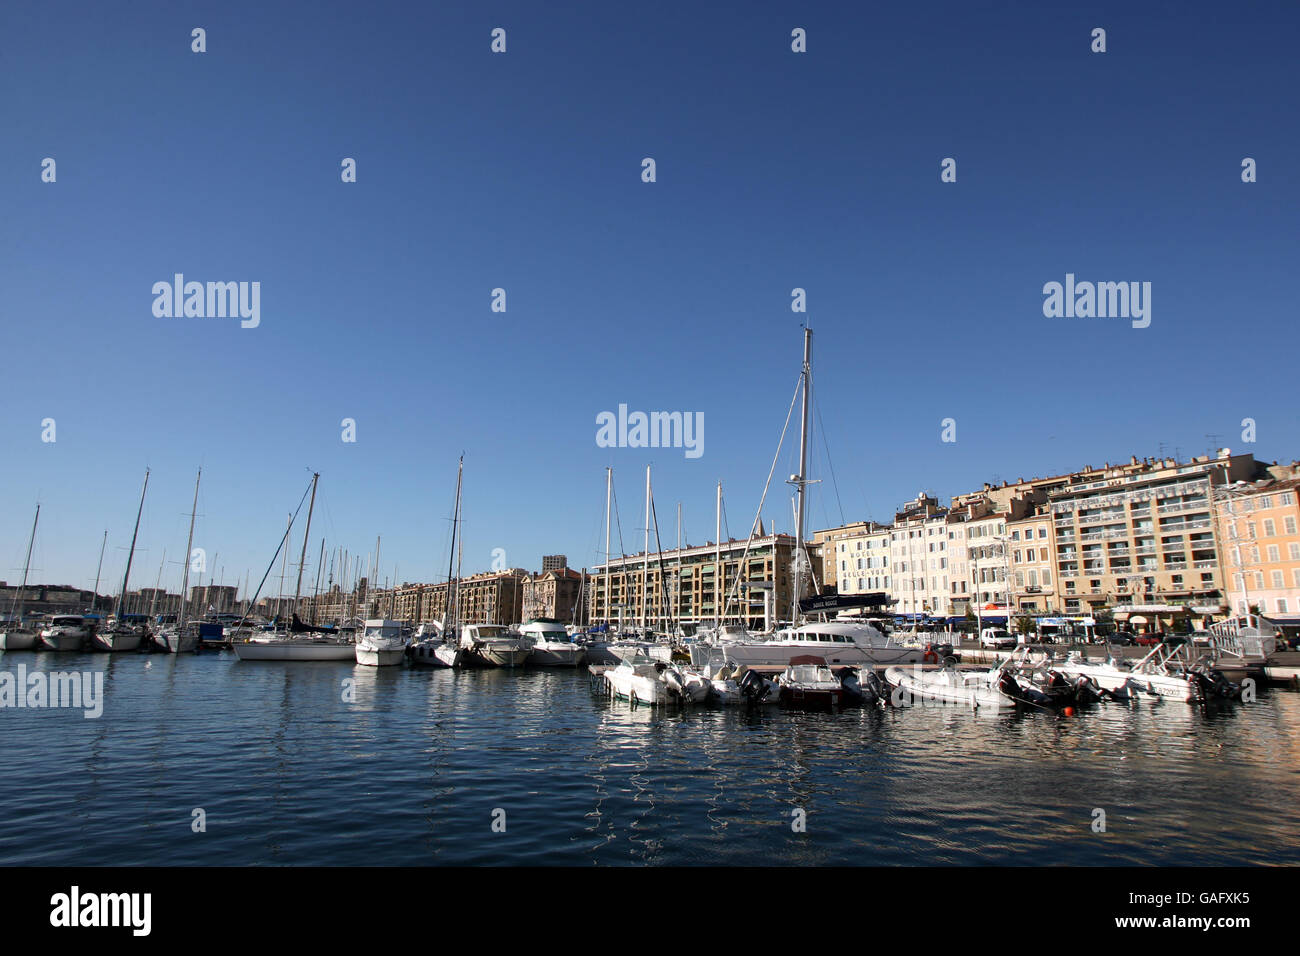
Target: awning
[1137, 619]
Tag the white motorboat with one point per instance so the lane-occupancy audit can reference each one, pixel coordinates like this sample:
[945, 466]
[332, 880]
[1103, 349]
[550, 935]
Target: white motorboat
[1169, 671]
[551, 645]
[431, 649]
[638, 679]
[67, 632]
[837, 642]
[686, 684]
[1107, 675]
[725, 681]
[945, 687]
[808, 682]
[492, 645]
[382, 644]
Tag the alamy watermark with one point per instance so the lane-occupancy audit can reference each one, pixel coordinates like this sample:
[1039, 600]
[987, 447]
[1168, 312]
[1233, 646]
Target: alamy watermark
[215, 300]
[651, 430]
[1102, 300]
[45, 689]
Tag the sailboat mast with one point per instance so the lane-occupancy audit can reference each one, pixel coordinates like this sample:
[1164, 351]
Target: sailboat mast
[315, 591]
[609, 484]
[18, 602]
[645, 563]
[189, 544]
[153, 602]
[302, 558]
[801, 483]
[131, 554]
[451, 552]
[94, 597]
[719, 585]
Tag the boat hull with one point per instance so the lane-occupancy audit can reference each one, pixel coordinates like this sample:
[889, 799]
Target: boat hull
[557, 654]
[435, 653]
[116, 641]
[171, 642]
[17, 641]
[289, 650]
[636, 687]
[941, 691]
[764, 654]
[373, 656]
[66, 641]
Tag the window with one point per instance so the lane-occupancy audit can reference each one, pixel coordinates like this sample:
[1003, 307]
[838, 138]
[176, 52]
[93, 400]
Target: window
[1274, 553]
[1294, 549]
[1281, 605]
[1289, 524]
[1277, 579]
[1269, 528]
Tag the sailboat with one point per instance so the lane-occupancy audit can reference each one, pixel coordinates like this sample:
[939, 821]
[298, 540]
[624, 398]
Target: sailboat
[16, 637]
[441, 649]
[840, 642]
[299, 641]
[121, 636]
[176, 638]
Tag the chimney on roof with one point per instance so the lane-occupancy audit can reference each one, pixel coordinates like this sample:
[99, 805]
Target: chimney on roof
[1133, 460]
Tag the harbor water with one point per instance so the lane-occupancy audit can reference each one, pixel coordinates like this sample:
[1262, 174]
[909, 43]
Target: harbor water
[206, 760]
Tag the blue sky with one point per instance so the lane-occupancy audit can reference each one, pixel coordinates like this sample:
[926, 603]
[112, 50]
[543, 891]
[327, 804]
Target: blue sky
[775, 170]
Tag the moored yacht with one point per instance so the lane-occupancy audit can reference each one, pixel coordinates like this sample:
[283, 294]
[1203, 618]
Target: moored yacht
[550, 644]
[382, 643]
[118, 636]
[492, 645]
[837, 642]
[67, 632]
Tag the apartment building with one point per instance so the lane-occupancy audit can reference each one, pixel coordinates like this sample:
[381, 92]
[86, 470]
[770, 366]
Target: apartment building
[558, 594]
[918, 558]
[700, 584]
[1032, 546]
[1257, 523]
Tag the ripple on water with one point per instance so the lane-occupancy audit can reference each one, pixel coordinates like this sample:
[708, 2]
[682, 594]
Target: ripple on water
[412, 771]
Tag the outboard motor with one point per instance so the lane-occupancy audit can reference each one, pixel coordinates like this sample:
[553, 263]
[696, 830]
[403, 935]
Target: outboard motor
[754, 687]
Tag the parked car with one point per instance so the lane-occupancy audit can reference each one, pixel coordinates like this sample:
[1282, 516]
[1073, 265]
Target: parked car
[997, 638]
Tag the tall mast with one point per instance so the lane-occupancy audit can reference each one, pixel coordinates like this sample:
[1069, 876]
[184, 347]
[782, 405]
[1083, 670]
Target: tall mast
[18, 601]
[719, 586]
[94, 597]
[451, 552]
[677, 590]
[801, 480]
[609, 483]
[153, 602]
[645, 563]
[189, 544]
[302, 558]
[315, 591]
[125, 577]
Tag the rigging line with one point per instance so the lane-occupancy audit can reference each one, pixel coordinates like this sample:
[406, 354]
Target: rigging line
[775, 458]
[283, 538]
[826, 450]
[618, 519]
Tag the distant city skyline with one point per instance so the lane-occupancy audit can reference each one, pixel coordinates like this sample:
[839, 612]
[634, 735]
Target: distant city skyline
[522, 171]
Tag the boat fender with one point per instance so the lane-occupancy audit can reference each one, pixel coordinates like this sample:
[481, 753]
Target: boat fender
[930, 657]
